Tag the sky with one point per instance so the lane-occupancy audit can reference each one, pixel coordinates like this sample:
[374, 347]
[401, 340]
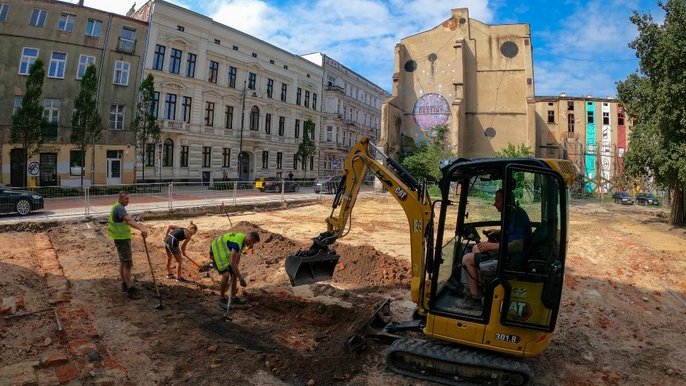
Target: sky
[580, 47]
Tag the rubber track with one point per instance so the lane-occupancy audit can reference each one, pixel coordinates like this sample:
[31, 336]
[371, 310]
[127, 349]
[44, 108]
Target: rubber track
[435, 350]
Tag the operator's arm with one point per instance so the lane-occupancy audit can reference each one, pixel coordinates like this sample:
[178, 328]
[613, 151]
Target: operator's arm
[133, 224]
[235, 261]
[183, 246]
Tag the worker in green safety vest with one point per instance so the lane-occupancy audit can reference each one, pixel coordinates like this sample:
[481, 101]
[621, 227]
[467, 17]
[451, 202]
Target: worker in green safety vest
[225, 255]
[119, 227]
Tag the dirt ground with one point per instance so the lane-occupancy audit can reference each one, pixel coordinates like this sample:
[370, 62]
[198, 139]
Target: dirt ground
[621, 321]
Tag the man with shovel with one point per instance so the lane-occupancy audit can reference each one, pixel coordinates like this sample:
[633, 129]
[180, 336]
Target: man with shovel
[119, 227]
[225, 252]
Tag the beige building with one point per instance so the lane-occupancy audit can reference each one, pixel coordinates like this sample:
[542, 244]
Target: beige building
[473, 77]
[351, 108]
[231, 106]
[67, 37]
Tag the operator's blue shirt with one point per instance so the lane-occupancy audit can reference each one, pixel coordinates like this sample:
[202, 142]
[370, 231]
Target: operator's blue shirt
[519, 226]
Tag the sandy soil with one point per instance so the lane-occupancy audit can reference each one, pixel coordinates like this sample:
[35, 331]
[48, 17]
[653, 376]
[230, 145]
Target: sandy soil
[619, 323]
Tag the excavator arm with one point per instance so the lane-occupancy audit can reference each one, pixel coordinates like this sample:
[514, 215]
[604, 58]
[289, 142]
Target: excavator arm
[318, 262]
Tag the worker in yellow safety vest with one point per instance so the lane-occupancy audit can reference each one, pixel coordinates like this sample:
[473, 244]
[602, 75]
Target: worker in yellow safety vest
[119, 227]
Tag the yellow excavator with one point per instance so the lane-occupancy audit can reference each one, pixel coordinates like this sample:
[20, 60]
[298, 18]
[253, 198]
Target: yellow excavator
[468, 340]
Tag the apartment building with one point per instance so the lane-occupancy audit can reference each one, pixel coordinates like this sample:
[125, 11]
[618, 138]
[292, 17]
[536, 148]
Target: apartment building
[473, 77]
[67, 38]
[230, 106]
[591, 132]
[351, 108]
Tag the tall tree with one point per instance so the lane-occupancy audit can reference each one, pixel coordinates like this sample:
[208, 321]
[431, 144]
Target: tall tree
[28, 122]
[423, 160]
[512, 151]
[307, 148]
[85, 123]
[145, 128]
[655, 99]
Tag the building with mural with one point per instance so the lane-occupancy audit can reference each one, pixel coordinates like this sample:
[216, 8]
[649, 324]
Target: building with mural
[67, 37]
[473, 77]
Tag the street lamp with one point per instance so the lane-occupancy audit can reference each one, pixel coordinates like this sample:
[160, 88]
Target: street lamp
[241, 158]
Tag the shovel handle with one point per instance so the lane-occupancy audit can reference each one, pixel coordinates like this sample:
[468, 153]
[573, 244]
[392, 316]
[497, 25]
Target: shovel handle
[227, 214]
[152, 272]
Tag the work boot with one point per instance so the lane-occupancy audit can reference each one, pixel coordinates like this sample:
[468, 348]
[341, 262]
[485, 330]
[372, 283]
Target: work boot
[134, 293]
[206, 267]
[238, 301]
[470, 303]
[224, 302]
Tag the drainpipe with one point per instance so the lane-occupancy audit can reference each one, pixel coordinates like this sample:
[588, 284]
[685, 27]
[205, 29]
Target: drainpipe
[97, 94]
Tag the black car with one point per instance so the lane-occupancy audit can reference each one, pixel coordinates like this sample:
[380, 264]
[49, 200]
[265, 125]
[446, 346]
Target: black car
[19, 201]
[275, 186]
[622, 198]
[647, 199]
[327, 184]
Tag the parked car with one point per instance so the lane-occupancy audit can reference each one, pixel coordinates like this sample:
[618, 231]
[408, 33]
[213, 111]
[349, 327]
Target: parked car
[275, 186]
[327, 184]
[647, 199]
[622, 198]
[260, 181]
[19, 201]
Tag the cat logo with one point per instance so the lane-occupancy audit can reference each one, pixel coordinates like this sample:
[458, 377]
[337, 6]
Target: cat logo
[402, 195]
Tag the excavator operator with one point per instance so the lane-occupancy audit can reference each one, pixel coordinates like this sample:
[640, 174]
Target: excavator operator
[518, 231]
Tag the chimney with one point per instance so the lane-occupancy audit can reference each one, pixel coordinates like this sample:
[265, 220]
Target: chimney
[80, 3]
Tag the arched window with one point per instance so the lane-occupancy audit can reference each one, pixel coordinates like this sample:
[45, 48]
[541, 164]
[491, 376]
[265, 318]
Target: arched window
[254, 118]
[570, 123]
[168, 152]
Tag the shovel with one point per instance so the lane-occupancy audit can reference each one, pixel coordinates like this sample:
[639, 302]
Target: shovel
[159, 306]
[227, 214]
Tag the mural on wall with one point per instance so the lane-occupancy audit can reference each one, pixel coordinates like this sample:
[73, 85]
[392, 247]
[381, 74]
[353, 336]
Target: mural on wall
[429, 111]
[606, 146]
[590, 147]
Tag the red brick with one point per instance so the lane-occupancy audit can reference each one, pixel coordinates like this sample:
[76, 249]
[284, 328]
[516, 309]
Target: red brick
[81, 347]
[67, 373]
[53, 359]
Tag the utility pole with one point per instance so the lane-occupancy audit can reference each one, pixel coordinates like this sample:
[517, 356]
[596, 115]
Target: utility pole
[240, 144]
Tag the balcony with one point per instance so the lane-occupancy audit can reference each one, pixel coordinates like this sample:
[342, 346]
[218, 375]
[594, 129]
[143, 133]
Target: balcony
[126, 45]
[335, 88]
[167, 124]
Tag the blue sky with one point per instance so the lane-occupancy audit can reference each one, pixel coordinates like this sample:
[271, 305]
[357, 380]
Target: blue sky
[580, 47]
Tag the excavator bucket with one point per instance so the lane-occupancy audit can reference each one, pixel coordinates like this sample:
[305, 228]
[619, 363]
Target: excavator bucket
[311, 266]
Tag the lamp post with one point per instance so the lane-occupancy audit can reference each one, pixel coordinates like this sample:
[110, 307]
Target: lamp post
[240, 144]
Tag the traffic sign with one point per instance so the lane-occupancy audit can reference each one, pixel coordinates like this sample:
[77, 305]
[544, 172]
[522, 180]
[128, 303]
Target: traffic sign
[33, 168]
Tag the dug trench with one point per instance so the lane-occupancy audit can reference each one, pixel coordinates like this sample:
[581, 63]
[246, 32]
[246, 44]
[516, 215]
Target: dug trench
[284, 334]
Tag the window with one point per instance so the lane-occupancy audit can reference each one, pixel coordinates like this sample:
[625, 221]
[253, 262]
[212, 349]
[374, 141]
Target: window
[51, 111]
[214, 69]
[589, 117]
[311, 163]
[307, 98]
[329, 133]
[252, 80]
[150, 154]
[570, 123]
[186, 108]
[76, 163]
[270, 88]
[314, 101]
[168, 151]
[84, 62]
[158, 59]
[127, 40]
[282, 125]
[279, 160]
[170, 106]
[254, 118]
[66, 22]
[235, 48]
[180, 28]
[551, 116]
[312, 133]
[295, 162]
[155, 104]
[38, 17]
[232, 77]
[93, 28]
[298, 95]
[284, 91]
[190, 65]
[209, 113]
[217, 41]
[4, 8]
[228, 117]
[17, 104]
[606, 117]
[206, 156]
[265, 160]
[226, 157]
[175, 61]
[285, 67]
[184, 157]
[620, 118]
[117, 117]
[28, 56]
[254, 55]
[268, 123]
[570, 105]
[121, 73]
[297, 128]
[58, 61]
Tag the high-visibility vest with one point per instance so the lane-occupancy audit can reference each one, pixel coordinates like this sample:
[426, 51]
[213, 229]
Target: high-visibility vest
[117, 230]
[221, 252]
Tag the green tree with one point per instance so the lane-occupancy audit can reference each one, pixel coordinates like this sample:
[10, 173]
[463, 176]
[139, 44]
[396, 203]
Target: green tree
[512, 151]
[85, 123]
[306, 148]
[28, 122]
[422, 160]
[655, 99]
[145, 128]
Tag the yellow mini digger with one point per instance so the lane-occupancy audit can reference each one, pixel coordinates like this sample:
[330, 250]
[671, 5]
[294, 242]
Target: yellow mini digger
[520, 282]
